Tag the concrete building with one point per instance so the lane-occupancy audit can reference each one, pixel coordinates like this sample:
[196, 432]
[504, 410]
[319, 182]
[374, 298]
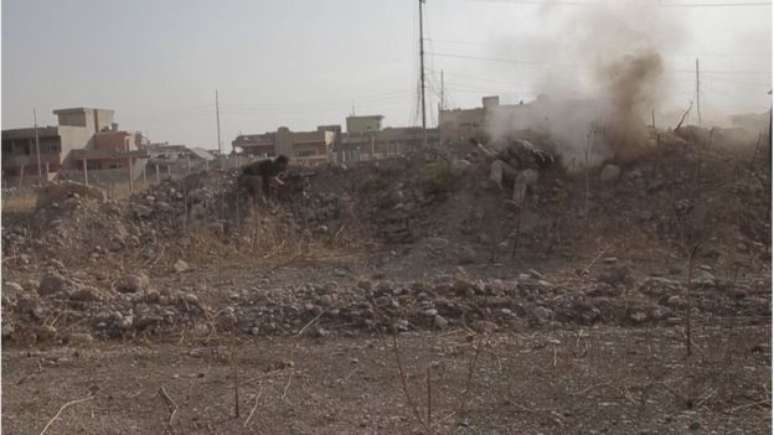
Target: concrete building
[303, 147]
[364, 124]
[174, 160]
[84, 139]
[492, 118]
[260, 145]
[366, 140]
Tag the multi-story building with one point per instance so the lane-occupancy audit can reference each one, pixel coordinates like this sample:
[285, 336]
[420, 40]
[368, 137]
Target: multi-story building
[364, 123]
[83, 139]
[492, 119]
[366, 140]
[261, 145]
[303, 147]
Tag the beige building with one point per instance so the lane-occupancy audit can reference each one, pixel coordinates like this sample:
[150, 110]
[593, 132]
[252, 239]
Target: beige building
[84, 138]
[366, 140]
[303, 147]
[364, 124]
[492, 120]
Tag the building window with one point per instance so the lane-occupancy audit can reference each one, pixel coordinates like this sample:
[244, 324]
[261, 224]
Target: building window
[7, 147]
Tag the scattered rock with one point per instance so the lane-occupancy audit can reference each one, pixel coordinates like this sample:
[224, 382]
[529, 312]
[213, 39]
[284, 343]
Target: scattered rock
[53, 282]
[543, 315]
[134, 282]
[705, 279]
[638, 317]
[45, 333]
[676, 302]
[87, 294]
[181, 266]
[8, 329]
[440, 322]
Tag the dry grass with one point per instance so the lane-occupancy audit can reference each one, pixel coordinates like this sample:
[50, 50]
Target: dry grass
[26, 202]
[19, 203]
[265, 239]
[122, 190]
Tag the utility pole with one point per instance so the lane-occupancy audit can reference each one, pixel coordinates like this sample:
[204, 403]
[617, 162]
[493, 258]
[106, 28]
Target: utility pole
[37, 144]
[217, 119]
[422, 74]
[771, 117]
[443, 99]
[698, 108]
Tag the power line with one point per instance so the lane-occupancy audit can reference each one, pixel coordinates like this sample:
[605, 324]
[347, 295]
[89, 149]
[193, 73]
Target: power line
[490, 59]
[660, 4]
[528, 62]
[705, 5]
[442, 41]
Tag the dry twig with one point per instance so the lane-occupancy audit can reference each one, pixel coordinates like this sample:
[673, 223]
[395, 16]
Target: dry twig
[301, 331]
[66, 405]
[429, 399]
[287, 386]
[170, 404]
[255, 406]
[471, 368]
[404, 384]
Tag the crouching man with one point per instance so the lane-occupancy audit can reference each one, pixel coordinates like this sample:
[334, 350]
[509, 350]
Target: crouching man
[264, 173]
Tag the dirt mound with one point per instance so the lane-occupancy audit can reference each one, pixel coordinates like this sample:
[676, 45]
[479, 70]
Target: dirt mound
[58, 192]
[407, 216]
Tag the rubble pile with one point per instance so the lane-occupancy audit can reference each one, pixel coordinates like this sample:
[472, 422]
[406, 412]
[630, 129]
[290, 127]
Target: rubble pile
[75, 228]
[416, 212]
[59, 305]
[134, 306]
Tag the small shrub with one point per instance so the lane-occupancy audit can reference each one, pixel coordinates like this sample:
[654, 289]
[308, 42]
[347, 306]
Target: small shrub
[439, 177]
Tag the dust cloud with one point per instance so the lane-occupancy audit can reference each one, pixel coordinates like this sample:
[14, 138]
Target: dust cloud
[603, 73]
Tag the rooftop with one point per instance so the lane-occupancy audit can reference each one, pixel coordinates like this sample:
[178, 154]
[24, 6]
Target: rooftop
[380, 117]
[79, 110]
[29, 132]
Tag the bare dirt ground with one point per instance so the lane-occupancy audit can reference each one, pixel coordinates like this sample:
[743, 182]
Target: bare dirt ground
[597, 380]
[404, 296]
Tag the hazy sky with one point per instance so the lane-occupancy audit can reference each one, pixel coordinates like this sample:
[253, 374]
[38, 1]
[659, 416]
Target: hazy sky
[306, 63]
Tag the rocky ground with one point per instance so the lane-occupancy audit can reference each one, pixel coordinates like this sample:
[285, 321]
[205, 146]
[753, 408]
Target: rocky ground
[566, 310]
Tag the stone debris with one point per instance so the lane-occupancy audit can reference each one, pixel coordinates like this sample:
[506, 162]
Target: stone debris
[133, 283]
[181, 266]
[408, 212]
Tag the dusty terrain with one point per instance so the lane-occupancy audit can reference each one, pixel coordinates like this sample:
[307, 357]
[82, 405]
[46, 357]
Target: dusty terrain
[639, 303]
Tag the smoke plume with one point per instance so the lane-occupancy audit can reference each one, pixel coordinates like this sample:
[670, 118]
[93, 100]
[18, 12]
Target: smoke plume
[632, 85]
[603, 74]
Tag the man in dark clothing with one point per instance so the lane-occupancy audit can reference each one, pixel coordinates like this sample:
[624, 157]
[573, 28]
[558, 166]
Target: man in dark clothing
[263, 172]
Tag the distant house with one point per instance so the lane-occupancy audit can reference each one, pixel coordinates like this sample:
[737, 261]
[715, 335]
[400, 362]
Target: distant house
[365, 139]
[303, 147]
[83, 139]
[364, 123]
[461, 125]
[177, 159]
